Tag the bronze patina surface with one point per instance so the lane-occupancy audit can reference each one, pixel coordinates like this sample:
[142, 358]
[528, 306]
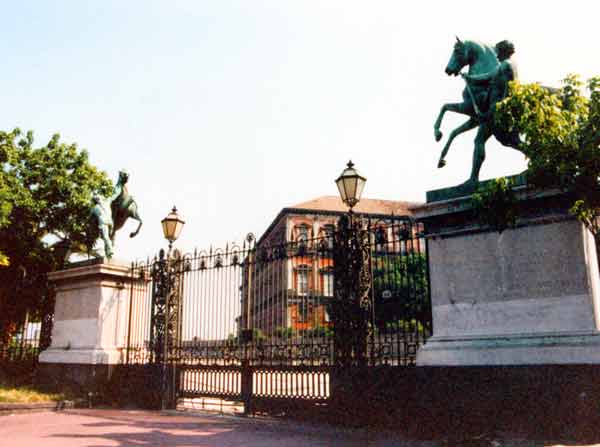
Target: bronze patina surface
[490, 69]
[109, 215]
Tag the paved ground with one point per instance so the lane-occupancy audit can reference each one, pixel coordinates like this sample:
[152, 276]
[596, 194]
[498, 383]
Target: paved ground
[100, 428]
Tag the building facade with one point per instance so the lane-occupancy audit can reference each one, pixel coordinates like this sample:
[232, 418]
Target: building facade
[288, 279]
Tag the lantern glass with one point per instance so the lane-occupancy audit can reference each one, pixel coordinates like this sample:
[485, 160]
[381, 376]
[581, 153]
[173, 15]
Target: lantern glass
[350, 185]
[172, 225]
[342, 190]
[360, 185]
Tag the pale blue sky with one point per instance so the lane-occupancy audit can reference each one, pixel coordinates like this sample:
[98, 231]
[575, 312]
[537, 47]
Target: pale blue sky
[234, 109]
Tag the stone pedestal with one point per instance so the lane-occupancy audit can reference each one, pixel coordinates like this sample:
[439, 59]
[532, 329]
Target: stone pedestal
[525, 296]
[90, 322]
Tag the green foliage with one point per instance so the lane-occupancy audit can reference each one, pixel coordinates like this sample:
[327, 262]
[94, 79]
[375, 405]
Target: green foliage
[560, 130]
[45, 195]
[232, 341]
[405, 326]
[400, 287]
[26, 395]
[495, 204]
[317, 332]
[258, 336]
[284, 332]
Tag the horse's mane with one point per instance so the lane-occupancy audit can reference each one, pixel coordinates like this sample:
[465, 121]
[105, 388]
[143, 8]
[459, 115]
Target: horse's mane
[477, 43]
[467, 47]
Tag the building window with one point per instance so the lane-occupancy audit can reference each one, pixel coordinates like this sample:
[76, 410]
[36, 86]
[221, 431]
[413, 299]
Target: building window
[380, 238]
[302, 235]
[327, 282]
[329, 230]
[302, 282]
[302, 279]
[305, 311]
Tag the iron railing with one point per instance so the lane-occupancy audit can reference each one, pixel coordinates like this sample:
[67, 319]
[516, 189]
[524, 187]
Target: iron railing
[22, 345]
[261, 318]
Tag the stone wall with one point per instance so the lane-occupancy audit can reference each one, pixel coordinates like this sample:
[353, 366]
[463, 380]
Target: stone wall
[526, 295]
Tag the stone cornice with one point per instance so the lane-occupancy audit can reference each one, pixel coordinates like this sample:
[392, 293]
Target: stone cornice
[103, 269]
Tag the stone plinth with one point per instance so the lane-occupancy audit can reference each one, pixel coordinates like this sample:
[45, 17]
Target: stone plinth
[90, 326]
[528, 295]
[90, 313]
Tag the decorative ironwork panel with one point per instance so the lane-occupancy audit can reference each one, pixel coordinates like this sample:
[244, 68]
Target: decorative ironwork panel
[310, 383]
[165, 323]
[351, 307]
[202, 381]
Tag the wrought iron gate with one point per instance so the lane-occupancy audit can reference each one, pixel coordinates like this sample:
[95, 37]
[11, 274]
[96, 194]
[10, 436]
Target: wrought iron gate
[270, 321]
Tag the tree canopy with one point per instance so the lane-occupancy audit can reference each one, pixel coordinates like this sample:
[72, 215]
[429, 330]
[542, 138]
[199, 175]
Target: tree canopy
[45, 195]
[560, 132]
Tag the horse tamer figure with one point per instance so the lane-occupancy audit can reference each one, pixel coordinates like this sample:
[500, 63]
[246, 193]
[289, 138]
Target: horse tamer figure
[111, 214]
[490, 71]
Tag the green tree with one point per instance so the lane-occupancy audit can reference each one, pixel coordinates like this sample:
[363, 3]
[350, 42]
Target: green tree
[45, 195]
[5, 203]
[495, 204]
[560, 130]
[400, 288]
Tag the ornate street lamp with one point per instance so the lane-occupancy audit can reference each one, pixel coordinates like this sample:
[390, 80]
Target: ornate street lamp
[350, 184]
[165, 279]
[352, 272]
[172, 226]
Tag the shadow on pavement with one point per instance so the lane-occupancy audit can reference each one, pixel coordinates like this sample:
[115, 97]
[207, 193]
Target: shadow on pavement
[115, 428]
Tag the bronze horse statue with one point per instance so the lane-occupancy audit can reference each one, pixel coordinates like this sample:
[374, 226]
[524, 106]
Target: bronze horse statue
[489, 73]
[109, 215]
[123, 206]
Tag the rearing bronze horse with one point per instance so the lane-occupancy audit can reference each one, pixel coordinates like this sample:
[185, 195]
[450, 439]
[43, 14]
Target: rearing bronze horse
[110, 214]
[487, 83]
[123, 206]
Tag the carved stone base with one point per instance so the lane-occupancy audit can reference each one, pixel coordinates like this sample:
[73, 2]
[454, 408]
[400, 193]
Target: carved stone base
[83, 356]
[528, 295]
[90, 316]
[558, 348]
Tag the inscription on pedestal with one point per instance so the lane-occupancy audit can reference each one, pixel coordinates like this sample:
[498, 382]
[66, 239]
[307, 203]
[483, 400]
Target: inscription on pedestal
[526, 280]
[528, 295]
[533, 262]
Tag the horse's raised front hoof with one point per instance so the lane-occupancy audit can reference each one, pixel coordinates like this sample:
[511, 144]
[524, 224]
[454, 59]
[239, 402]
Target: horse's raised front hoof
[134, 234]
[438, 134]
[441, 163]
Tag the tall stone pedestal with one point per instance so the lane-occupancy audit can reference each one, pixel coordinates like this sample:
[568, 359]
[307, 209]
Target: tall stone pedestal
[90, 324]
[525, 296]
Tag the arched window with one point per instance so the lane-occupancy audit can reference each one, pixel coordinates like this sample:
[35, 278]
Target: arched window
[302, 233]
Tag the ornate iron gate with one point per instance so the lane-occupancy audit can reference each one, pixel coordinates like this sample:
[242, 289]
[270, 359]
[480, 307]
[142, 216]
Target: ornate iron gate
[270, 322]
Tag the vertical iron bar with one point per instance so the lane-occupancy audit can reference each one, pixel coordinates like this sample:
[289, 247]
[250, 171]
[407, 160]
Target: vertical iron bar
[130, 314]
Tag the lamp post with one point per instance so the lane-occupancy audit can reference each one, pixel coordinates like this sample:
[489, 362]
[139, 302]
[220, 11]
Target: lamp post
[350, 185]
[172, 226]
[352, 272]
